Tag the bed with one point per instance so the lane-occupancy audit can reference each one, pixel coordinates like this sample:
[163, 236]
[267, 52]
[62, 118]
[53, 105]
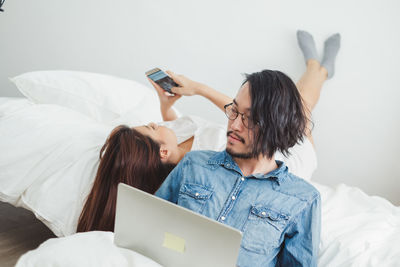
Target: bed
[50, 143]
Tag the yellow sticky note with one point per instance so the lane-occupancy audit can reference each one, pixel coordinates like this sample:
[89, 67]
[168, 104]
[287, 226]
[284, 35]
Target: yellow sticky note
[174, 242]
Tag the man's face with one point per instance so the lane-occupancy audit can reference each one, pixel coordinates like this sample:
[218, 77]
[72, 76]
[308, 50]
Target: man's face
[240, 138]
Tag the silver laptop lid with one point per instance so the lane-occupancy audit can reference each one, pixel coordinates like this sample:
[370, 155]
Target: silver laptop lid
[172, 235]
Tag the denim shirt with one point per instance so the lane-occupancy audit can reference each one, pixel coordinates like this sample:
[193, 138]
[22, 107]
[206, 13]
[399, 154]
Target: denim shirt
[278, 213]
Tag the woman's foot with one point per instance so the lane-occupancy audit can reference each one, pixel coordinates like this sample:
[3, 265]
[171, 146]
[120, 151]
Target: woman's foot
[331, 48]
[307, 45]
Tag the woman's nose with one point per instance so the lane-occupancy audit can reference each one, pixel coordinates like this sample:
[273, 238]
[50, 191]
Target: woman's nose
[153, 125]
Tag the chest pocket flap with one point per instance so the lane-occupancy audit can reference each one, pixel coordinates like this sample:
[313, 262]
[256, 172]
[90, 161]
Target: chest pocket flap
[194, 197]
[196, 191]
[277, 219]
[264, 212]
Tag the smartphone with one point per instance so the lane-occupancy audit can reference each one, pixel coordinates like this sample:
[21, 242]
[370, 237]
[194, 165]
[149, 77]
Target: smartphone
[162, 79]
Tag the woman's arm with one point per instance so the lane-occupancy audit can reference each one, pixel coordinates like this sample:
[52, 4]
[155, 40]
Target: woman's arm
[166, 102]
[188, 87]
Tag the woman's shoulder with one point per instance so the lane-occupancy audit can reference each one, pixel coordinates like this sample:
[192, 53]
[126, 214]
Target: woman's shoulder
[209, 135]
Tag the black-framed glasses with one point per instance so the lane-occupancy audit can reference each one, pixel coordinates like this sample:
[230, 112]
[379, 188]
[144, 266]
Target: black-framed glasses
[232, 113]
[1, 4]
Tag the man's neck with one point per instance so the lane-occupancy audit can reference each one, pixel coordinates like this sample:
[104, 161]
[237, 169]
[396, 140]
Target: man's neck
[256, 165]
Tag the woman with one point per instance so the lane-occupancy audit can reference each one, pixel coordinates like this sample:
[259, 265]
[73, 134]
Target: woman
[143, 156]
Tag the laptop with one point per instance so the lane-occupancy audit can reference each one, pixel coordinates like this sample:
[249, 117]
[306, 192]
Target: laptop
[171, 235]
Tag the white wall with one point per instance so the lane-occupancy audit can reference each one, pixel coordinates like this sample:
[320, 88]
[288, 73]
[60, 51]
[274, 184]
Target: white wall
[356, 122]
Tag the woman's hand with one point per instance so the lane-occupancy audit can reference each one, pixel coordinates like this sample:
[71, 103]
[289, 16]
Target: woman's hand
[166, 99]
[186, 87]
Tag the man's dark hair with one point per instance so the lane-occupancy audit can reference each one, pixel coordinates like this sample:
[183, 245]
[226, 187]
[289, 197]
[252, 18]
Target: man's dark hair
[278, 112]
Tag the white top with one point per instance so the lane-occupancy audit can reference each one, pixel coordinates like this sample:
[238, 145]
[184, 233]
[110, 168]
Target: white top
[302, 161]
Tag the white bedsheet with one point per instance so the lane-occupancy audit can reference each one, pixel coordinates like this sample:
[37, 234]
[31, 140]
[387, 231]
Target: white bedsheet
[49, 159]
[357, 229]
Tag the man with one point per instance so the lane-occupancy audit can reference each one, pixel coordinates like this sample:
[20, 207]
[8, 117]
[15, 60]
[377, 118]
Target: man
[245, 187]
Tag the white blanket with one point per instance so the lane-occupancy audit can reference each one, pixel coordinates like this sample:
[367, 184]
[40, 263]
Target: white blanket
[84, 250]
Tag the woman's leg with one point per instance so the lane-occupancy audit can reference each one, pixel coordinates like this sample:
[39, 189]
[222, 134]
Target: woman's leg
[309, 86]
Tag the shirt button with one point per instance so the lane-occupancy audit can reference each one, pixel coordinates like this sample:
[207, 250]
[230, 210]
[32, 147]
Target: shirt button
[222, 218]
[197, 194]
[233, 197]
[242, 178]
[263, 213]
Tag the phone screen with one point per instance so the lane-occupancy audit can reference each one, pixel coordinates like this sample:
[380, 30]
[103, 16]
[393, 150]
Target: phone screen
[162, 79]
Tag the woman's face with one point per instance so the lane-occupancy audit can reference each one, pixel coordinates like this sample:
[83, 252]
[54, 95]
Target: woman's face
[160, 134]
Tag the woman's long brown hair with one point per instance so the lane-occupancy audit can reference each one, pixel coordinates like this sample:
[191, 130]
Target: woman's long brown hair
[126, 157]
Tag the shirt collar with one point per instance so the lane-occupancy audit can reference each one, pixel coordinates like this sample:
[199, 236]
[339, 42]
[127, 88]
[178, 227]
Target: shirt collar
[224, 159]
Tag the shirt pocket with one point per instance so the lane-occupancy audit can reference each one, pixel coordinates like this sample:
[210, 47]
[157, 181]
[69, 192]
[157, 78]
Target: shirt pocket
[263, 229]
[194, 196]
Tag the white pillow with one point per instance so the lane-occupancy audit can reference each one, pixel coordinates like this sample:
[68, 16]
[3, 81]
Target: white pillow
[49, 161]
[102, 97]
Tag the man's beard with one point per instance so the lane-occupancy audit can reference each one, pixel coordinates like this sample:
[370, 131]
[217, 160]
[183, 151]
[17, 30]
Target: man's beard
[243, 155]
[247, 155]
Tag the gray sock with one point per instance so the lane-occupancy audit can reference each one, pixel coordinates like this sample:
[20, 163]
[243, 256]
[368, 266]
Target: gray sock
[331, 48]
[307, 45]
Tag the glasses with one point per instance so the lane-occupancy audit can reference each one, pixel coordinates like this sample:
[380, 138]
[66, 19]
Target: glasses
[232, 113]
[1, 4]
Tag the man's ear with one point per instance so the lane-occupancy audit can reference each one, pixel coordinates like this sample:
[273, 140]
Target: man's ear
[164, 153]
